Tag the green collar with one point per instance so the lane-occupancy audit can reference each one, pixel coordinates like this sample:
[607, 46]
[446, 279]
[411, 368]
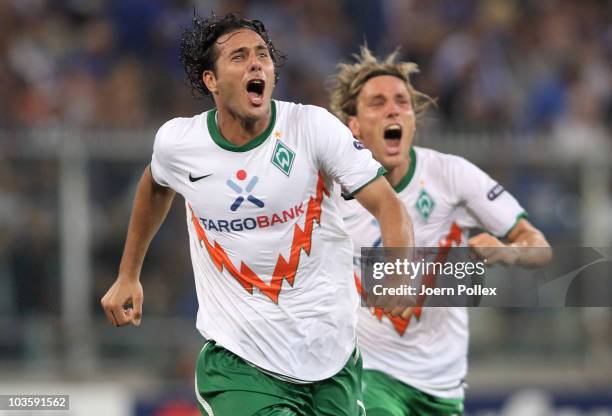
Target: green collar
[218, 138]
[409, 174]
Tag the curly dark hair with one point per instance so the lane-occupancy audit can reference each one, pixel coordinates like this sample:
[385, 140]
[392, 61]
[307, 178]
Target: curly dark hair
[198, 52]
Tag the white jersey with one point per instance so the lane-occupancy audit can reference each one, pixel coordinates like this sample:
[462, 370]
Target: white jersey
[271, 259]
[445, 195]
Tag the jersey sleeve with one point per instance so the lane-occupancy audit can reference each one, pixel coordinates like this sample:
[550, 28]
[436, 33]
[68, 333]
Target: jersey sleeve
[160, 169]
[342, 156]
[494, 208]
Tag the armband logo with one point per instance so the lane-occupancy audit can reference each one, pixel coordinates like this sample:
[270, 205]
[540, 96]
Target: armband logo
[496, 191]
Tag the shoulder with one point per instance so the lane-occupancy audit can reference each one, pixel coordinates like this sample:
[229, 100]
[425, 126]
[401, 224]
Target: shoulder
[456, 176]
[173, 130]
[430, 155]
[443, 163]
[305, 113]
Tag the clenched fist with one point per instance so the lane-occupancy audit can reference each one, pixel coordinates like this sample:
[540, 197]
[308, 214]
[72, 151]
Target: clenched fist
[122, 303]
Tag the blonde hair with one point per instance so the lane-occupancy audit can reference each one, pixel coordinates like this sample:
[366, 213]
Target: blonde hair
[350, 79]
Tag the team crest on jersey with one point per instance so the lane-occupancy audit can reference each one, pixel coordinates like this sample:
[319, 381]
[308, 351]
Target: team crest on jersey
[425, 204]
[283, 157]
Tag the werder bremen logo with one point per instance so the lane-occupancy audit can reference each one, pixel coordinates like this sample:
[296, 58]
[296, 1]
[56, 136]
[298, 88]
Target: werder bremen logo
[283, 158]
[425, 204]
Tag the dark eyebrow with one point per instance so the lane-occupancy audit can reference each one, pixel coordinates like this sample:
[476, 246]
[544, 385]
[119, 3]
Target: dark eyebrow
[242, 49]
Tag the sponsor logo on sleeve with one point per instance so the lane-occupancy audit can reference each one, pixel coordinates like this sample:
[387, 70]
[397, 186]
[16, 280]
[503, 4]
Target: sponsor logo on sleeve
[496, 191]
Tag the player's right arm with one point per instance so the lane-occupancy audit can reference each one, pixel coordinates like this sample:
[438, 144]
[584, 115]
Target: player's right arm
[382, 202]
[396, 231]
[151, 205]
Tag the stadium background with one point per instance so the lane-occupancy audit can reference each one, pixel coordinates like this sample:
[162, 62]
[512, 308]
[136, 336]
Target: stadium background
[524, 90]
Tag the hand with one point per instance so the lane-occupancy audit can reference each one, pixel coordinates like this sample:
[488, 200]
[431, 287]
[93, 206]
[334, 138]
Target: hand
[122, 303]
[489, 248]
[396, 305]
[403, 313]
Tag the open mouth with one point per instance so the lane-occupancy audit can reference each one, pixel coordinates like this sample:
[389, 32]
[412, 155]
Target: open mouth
[255, 89]
[393, 136]
[393, 132]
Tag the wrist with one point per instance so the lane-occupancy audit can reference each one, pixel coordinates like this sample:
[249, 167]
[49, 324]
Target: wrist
[128, 275]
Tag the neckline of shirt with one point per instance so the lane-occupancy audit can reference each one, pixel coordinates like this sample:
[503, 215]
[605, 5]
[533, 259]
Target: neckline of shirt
[217, 137]
[409, 173]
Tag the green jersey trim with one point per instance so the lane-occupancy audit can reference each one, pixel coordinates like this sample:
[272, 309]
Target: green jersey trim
[222, 142]
[518, 218]
[381, 172]
[409, 174]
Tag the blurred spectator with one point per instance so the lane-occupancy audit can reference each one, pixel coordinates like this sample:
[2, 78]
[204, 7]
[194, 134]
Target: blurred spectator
[502, 64]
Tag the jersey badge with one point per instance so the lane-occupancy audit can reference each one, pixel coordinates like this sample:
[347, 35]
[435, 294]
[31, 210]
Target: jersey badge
[283, 157]
[425, 204]
[496, 191]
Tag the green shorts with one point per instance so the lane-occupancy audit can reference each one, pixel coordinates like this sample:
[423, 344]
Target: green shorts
[226, 385]
[386, 396]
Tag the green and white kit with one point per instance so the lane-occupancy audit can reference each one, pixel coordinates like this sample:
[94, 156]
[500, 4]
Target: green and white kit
[271, 257]
[445, 195]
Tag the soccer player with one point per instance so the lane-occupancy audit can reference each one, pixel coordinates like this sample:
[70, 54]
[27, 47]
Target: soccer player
[271, 257]
[416, 366]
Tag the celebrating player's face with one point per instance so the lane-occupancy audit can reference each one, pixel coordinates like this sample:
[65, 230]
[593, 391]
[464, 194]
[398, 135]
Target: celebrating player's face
[244, 75]
[385, 120]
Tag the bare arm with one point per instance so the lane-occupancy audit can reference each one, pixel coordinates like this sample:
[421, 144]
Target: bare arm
[526, 246]
[151, 205]
[396, 228]
[395, 224]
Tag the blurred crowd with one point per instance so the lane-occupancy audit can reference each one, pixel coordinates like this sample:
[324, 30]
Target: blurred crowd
[527, 65]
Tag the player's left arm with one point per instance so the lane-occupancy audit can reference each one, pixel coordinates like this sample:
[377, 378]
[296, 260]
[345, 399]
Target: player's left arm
[500, 214]
[382, 202]
[525, 245]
